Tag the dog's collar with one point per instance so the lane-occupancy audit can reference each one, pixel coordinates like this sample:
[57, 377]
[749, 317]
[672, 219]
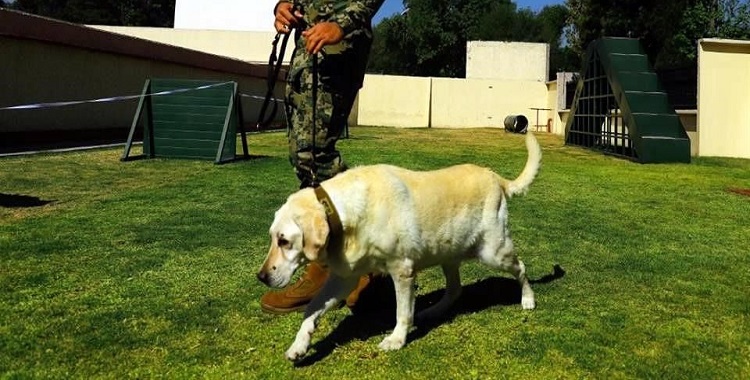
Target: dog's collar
[334, 221]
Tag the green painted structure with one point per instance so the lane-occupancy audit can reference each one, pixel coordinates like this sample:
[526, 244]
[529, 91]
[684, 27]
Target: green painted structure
[621, 108]
[191, 119]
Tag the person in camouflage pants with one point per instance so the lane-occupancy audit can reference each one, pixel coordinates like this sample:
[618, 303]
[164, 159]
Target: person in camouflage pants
[339, 34]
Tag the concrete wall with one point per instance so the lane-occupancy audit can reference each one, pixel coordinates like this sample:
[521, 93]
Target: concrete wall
[724, 98]
[50, 61]
[690, 122]
[407, 102]
[63, 73]
[518, 61]
[412, 102]
[467, 103]
[394, 101]
[253, 47]
[551, 117]
[243, 15]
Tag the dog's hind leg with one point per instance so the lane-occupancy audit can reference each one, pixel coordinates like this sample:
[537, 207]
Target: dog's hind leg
[504, 258]
[334, 290]
[498, 252]
[518, 270]
[403, 281]
[452, 292]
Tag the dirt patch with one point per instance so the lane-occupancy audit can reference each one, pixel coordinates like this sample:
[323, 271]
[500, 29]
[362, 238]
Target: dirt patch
[745, 192]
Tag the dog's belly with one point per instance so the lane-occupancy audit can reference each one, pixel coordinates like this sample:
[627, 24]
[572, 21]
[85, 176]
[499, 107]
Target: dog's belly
[446, 250]
[424, 249]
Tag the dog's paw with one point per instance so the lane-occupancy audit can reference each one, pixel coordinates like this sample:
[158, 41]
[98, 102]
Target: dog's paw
[528, 303]
[296, 352]
[391, 343]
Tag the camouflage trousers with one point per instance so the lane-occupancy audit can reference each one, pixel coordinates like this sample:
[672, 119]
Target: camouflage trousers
[340, 74]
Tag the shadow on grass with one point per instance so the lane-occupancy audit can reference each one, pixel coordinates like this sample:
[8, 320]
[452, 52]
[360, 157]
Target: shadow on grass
[375, 312]
[21, 201]
[249, 157]
[237, 158]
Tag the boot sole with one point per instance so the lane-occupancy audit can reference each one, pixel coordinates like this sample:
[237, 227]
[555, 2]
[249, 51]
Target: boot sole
[281, 310]
[286, 310]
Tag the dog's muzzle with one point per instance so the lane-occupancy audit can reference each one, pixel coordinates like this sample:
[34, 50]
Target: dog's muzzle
[263, 277]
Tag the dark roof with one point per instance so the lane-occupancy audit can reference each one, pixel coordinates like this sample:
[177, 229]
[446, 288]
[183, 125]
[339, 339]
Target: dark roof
[28, 26]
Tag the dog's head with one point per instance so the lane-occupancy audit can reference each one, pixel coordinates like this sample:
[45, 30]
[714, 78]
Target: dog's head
[299, 234]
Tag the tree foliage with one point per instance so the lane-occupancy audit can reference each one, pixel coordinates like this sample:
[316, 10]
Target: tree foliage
[430, 39]
[103, 12]
[669, 30]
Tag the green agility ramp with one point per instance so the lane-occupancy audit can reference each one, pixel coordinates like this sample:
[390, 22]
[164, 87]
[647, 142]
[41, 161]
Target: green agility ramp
[188, 119]
[621, 108]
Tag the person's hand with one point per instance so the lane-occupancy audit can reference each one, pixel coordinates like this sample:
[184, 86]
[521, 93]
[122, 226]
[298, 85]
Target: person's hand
[322, 34]
[286, 17]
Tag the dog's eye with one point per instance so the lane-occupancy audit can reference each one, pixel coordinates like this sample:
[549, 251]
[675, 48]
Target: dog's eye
[282, 242]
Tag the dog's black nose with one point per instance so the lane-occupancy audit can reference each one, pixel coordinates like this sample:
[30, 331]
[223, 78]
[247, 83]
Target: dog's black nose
[263, 277]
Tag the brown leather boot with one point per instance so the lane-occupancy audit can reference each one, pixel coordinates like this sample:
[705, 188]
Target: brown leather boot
[296, 296]
[353, 297]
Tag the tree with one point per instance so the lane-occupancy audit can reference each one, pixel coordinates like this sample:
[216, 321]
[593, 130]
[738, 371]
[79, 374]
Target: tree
[669, 30]
[392, 51]
[106, 12]
[719, 19]
[430, 40]
[552, 21]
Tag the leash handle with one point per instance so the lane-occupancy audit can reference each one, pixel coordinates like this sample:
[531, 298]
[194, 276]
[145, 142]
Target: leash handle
[274, 68]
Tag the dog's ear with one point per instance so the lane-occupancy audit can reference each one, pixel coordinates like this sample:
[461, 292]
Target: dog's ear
[314, 234]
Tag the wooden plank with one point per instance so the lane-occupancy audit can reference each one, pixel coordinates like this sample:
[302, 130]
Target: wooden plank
[211, 145]
[136, 120]
[184, 100]
[185, 152]
[192, 110]
[183, 117]
[185, 126]
[187, 135]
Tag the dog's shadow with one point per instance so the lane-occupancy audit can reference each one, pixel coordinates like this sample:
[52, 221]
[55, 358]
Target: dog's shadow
[21, 201]
[375, 312]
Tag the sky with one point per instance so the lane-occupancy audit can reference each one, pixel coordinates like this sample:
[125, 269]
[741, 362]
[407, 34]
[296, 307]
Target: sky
[391, 7]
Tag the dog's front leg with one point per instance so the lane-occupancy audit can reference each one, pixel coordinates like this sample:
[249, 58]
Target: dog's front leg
[403, 281]
[334, 290]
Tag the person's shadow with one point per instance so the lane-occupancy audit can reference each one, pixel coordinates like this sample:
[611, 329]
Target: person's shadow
[375, 312]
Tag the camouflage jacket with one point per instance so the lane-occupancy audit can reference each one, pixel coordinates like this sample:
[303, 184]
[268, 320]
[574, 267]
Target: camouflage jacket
[350, 15]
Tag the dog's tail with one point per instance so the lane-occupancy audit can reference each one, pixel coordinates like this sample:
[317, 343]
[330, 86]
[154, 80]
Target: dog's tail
[521, 184]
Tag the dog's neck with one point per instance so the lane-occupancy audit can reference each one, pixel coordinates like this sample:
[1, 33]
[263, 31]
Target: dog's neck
[332, 215]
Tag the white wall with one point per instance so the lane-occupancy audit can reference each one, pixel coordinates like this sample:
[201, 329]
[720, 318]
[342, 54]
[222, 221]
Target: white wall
[472, 103]
[724, 98]
[517, 61]
[253, 47]
[394, 101]
[243, 15]
[404, 102]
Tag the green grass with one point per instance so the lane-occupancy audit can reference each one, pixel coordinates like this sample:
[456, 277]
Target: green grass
[147, 269]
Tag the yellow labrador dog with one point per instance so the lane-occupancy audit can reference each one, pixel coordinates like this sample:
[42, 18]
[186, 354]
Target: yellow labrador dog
[398, 222]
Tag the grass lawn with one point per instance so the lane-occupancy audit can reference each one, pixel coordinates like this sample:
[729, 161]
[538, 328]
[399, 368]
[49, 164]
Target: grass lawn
[147, 269]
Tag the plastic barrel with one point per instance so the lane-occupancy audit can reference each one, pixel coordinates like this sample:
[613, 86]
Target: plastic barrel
[516, 123]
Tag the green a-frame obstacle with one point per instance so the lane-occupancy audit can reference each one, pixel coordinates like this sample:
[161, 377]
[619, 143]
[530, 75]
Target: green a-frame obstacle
[193, 119]
[621, 108]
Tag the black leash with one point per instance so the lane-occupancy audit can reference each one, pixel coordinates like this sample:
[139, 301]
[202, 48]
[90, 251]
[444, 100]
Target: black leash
[314, 165]
[274, 67]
